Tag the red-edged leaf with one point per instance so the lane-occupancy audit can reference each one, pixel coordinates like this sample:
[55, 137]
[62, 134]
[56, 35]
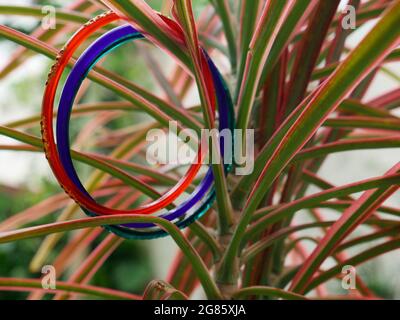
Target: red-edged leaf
[363, 208]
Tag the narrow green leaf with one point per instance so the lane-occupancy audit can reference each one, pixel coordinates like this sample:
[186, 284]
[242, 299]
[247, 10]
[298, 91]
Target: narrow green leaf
[273, 215]
[143, 17]
[306, 118]
[183, 11]
[222, 8]
[272, 18]
[267, 292]
[36, 11]
[126, 89]
[347, 145]
[350, 219]
[96, 162]
[354, 261]
[35, 284]
[197, 263]
[161, 290]
[308, 51]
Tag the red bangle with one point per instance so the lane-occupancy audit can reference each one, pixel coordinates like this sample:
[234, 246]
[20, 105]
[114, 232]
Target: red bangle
[50, 146]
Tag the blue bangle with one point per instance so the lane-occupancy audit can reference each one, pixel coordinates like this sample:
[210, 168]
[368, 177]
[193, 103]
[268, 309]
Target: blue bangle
[202, 197]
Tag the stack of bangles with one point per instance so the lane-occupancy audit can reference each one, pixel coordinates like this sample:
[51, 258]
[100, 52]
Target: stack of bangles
[59, 154]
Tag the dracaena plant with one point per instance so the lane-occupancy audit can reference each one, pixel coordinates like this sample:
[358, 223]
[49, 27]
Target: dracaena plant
[297, 80]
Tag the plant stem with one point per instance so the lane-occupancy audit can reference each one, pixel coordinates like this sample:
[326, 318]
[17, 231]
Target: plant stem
[222, 7]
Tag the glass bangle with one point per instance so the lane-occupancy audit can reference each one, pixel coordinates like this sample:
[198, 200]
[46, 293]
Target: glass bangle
[91, 55]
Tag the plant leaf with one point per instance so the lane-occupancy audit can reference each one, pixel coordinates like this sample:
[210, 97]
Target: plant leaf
[349, 220]
[161, 290]
[272, 215]
[197, 263]
[306, 118]
[34, 284]
[267, 292]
